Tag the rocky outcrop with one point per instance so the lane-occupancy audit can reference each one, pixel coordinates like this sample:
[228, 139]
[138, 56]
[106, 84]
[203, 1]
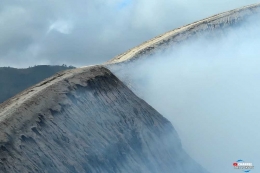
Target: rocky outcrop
[86, 120]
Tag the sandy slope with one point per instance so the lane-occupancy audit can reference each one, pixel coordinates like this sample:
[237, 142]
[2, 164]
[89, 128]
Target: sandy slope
[221, 20]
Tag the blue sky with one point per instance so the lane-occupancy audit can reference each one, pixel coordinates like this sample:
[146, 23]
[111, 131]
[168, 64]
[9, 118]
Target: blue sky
[124, 4]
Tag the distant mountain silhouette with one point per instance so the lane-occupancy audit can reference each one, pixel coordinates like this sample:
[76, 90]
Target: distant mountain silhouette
[13, 80]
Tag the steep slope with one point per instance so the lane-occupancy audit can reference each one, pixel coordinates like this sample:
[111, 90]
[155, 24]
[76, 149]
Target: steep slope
[86, 120]
[213, 25]
[13, 80]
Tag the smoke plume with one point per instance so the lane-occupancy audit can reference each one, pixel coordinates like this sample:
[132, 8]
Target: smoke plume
[209, 88]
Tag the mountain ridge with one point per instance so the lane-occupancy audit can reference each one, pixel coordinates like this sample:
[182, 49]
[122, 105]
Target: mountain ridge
[185, 32]
[86, 120]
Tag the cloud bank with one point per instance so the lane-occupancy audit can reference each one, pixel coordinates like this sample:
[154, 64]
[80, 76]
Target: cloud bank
[87, 32]
[209, 89]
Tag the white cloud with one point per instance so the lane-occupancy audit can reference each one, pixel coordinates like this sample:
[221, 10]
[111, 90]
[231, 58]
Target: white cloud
[62, 26]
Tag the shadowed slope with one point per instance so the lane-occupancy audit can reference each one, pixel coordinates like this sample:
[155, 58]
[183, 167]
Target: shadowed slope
[86, 120]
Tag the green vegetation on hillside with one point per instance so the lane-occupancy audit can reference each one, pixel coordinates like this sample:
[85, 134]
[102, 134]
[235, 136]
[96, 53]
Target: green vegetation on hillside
[13, 81]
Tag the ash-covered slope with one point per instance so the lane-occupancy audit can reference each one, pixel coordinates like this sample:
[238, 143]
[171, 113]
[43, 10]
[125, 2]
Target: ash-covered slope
[86, 120]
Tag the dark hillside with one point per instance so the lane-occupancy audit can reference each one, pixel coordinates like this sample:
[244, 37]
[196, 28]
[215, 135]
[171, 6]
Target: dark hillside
[13, 80]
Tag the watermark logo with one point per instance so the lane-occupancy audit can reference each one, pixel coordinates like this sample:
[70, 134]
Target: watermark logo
[244, 166]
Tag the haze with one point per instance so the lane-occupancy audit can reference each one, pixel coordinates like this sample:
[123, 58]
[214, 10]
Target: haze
[209, 89]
